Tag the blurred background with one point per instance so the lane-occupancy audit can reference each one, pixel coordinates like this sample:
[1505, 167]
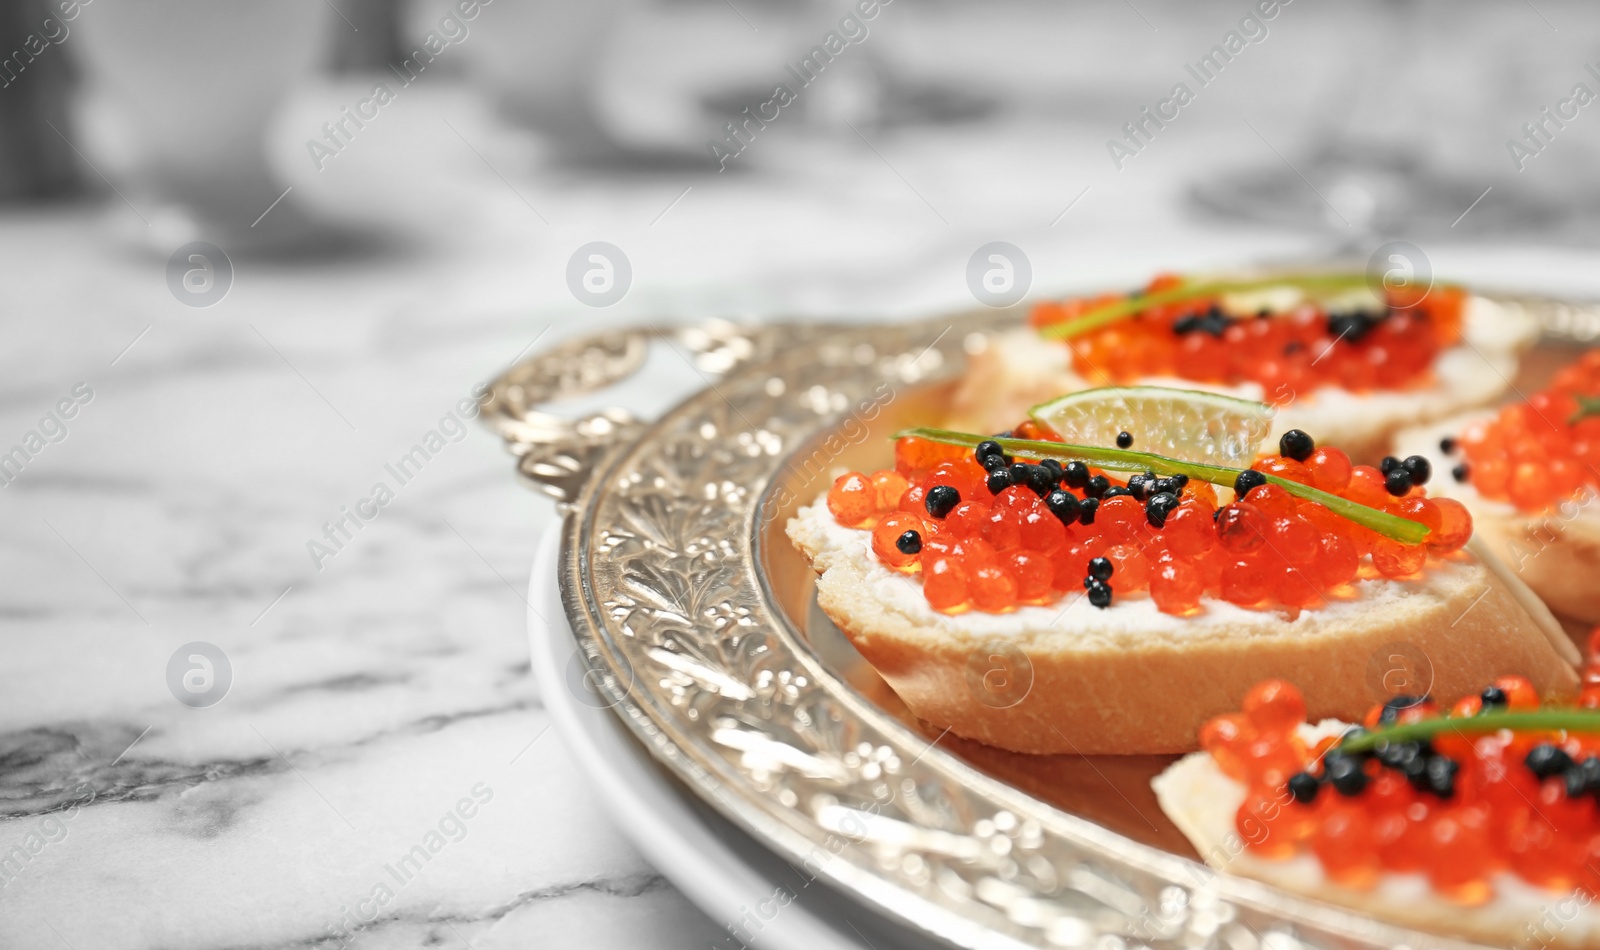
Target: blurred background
[374, 127]
[279, 240]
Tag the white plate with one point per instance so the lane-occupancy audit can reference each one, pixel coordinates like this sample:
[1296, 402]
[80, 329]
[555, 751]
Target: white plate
[724, 871]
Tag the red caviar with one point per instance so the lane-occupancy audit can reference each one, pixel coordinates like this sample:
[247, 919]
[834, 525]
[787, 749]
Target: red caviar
[994, 551]
[852, 500]
[1308, 347]
[1459, 808]
[1540, 452]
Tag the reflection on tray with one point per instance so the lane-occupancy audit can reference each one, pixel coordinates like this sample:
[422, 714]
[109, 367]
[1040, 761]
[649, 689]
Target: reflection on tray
[1110, 790]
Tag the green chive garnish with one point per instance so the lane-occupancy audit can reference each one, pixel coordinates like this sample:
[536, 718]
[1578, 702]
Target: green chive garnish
[1587, 406]
[1544, 720]
[1128, 306]
[1390, 526]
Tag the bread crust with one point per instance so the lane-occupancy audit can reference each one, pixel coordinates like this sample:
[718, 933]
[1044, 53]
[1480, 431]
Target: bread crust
[1017, 371]
[1203, 802]
[1131, 680]
[1555, 552]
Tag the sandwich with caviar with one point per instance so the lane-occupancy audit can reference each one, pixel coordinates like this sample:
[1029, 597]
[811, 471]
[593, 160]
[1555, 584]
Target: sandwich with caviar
[1477, 819]
[1530, 475]
[1135, 564]
[1333, 356]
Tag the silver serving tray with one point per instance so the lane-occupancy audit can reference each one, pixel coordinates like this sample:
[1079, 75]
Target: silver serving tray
[696, 617]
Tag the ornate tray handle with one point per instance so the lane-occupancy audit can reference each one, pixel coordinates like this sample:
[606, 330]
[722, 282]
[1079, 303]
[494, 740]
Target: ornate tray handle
[556, 454]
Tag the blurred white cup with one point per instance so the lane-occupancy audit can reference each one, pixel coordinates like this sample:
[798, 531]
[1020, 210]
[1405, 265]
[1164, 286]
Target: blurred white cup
[177, 98]
[540, 61]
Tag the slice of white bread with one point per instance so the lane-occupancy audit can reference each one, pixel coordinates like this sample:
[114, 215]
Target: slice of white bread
[1556, 552]
[1130, 679]
[1203, 802]
[1018, 370]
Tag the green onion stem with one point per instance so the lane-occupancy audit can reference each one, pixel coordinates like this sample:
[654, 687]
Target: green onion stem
[1390, 526]
[1587, 406]
[1128, 306]
[1571, 720]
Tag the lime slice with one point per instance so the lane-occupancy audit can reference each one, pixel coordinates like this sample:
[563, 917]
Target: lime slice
[1182, 424]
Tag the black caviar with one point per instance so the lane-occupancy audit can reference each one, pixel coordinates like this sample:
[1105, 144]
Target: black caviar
[1304, 787]
[1063, 504]
[1101, 569]
[1248, 479]
[1100, 594]
[1296, 444]
[940, 500]
[1419, 468]
[1159, 507]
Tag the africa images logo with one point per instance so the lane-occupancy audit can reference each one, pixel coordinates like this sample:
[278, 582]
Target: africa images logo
[451, 428]
[852, 31]
[451, 31]
[1143, 129]
[1538, 134]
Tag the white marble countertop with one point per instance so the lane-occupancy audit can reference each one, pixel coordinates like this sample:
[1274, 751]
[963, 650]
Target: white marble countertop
[383, 692]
